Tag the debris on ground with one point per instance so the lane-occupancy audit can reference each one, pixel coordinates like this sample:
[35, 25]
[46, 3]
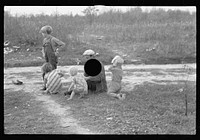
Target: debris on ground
[17, 82]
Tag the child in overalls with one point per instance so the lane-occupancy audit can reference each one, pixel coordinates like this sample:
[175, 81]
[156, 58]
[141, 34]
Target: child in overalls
[50, 47]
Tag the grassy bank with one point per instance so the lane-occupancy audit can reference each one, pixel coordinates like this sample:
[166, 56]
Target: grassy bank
[169, 38]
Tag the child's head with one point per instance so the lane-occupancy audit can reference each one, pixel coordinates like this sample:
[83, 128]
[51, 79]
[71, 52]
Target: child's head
[73, 71]
[117, 61]
[90, 54]
[46, 30]
[46, 67]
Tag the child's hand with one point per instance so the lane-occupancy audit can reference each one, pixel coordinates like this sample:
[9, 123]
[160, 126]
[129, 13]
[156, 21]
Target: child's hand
[43, 54]
[56, 52]
[61, 74]
[86, 78]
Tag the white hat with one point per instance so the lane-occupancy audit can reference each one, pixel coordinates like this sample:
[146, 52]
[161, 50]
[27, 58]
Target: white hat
[90, 52]
[117, 59]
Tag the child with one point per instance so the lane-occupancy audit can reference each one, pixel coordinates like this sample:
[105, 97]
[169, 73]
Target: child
[50, 47]
[78, 84]
[96, 84]
[115, 84]
[52, 79]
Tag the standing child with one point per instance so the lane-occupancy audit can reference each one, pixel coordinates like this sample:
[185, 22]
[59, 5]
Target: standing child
[115, 84]
[52, 79]
[78, 84]
[50, 47]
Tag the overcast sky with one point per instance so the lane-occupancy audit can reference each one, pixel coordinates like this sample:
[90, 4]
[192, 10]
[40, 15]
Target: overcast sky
[20, 10]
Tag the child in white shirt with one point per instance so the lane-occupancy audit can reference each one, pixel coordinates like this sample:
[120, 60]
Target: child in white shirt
[117, 73]
[78, 85]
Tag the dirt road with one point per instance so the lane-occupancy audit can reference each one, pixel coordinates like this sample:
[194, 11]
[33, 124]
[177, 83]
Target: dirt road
[31, 76]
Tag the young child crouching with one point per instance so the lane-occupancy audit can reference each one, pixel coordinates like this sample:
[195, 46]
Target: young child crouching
[114, 87]
[78, 85]
[52, 79]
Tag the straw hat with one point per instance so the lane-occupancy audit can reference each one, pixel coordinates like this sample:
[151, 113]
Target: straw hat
[89, 53]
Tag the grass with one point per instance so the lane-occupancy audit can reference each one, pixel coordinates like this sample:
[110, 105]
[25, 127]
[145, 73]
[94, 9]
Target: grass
[172, 43]
[67, 56]
[148, 109]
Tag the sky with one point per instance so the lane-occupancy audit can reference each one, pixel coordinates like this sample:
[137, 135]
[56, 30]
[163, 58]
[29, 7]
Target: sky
[27, 10]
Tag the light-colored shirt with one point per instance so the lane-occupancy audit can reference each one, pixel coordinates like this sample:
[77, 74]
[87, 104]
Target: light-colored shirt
[117, 74]
[54, 82]
[79, 82]
[56, 43]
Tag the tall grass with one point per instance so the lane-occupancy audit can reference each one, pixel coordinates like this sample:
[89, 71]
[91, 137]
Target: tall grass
[171, 33]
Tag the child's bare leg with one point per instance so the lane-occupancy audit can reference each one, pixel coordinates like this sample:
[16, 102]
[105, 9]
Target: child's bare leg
[45, 81]
[71, 96]
[113, 94]
[119, 96]
[83, 93]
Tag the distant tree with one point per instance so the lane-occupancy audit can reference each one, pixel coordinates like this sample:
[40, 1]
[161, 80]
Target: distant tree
[90, 13]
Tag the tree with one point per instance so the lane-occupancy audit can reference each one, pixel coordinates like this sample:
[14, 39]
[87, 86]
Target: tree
[90, 13]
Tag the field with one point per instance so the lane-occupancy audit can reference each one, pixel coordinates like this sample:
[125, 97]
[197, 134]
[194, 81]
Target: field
[158, 37]
[155, 47]
[154, 104]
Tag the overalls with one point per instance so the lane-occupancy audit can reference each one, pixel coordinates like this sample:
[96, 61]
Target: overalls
[50, 55]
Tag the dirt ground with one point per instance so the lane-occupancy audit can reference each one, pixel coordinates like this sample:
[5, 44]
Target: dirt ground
[27, 111]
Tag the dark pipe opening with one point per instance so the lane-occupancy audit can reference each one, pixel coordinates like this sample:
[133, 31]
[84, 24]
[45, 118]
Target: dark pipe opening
[92, 67]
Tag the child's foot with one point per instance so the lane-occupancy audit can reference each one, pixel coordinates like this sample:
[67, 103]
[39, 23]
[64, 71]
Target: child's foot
[68, 93]
[81, 96]
[121, 96]
[44, 88]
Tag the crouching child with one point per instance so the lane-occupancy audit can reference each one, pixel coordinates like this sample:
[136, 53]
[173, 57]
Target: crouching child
[52, 79]
[78, 84]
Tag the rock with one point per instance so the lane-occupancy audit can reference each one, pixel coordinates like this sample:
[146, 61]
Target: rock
[6, 43]
[17, 82]
[16, 47]
[109, 118]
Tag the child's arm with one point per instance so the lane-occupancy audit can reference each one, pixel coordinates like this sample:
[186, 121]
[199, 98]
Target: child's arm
[86, 78]
[43, 51]
[72, 84]
[58, 44]
[61, 74]
[111, 68]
